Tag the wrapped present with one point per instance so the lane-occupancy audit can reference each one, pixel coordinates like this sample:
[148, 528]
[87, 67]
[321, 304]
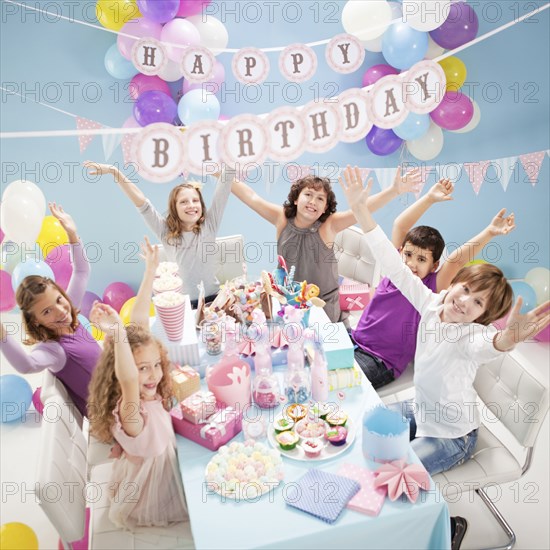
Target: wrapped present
[344, 378]
[185, 381]
[354, 296]
[212, 434]
[337, 345]
[198, 407]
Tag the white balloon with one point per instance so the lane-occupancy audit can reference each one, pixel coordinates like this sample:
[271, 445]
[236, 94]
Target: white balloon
[171, 71]
[473, 123]
[21, 219]
[429, 145]
[214, 35]
[27, 189]
[366, 19]
[539, 279]
[425, 15]
[375, 45]
[434, 49]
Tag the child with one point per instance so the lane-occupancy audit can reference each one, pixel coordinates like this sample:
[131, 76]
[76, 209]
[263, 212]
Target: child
[64, 346]
[186, 229]
[386, 332]
[307, 225]
[454, 337]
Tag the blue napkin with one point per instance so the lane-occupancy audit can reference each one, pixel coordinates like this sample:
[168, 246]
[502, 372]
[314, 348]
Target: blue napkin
[321, 494]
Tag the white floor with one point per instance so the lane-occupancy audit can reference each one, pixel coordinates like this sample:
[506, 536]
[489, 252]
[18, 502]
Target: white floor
[525, 504]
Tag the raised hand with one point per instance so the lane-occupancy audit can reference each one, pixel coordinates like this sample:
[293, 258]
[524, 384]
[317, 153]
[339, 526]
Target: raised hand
[97, 169]
[150, 253]
[521, 326]
[352, 186]
[407, 183]
[63, 217]
[501, 225]
[441, 191]
[106, 318]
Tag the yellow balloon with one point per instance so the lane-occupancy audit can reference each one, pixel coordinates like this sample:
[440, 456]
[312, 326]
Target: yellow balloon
[51, 235]
[97, 333]
[126, 310]
[455, 71]
[17, 536]
[476, 262]
[112, 14]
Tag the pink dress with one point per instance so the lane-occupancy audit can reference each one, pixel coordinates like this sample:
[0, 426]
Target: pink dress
[146, 487]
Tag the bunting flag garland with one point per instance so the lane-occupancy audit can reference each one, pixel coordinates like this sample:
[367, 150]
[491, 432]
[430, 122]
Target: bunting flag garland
[110, 143]
[425, 171]
[476, 173]
[126, 145]
[532, 163]
[504, 168]
[86, 124]
[385, 177]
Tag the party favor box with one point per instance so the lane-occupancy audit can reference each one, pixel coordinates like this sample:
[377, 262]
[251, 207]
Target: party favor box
[339, 379]
[185, 381]
[198, 407]
[217, 431]
[336, 345]
[354, 296]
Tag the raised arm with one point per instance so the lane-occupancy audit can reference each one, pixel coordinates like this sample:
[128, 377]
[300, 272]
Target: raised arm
[131, 190]
[271, 212]
[439, 192]
[140, 313]
[499, 225]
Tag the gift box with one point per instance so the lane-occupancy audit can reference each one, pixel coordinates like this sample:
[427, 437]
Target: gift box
[337, 345]
[344, 378]
[185, 381]
[198, 407]
[219, 429]
[354, 296]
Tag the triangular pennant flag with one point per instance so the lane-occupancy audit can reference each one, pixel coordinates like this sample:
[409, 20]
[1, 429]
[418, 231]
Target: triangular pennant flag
[86, 124]
[504, 168]
[476, 173]
[110, 143]
[385, 176]
[548, 152]
[296, 171]
[531, 164]
[126, 145]
[425, 171]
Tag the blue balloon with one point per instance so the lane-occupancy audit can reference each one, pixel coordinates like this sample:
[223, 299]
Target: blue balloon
[15, 397]
[413, 127]
[526, 291]
[403, 46]
[117, 65]
[198, 105]
[30, 267]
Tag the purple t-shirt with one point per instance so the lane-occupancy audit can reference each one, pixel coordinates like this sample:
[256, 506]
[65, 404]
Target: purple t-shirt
[387, 329]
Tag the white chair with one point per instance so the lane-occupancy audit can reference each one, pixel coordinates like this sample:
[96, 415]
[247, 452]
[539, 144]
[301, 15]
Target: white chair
[405, 382]
[514, 402]
[52, 386]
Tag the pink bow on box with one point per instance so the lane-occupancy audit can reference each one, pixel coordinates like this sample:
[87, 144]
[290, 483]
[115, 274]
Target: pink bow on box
[400, 477]
[355, 302]
[217, 421]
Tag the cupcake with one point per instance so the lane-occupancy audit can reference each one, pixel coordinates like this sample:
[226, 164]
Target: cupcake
[321, 410]
[287, 440]
[312, 447]
[282, 424]
[336, 435]
[296, 411]
[308, 428]
[337, 418]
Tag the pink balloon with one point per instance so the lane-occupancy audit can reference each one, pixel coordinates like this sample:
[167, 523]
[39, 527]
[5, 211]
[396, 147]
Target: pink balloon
[213, 85]
[144, 83]
[7, 296]
[224, 117]
[376, 72]
[37, 402]
[191, 7]
[59, 259]
[140, 28]
[180, 32]
[454, 112]
[1, 235]
[543, 335]
[117, 294]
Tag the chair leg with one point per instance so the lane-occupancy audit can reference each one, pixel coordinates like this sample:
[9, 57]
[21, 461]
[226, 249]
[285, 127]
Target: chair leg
[500, 519]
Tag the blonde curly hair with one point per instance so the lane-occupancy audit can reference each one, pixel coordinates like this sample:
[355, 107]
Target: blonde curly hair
[104, 388]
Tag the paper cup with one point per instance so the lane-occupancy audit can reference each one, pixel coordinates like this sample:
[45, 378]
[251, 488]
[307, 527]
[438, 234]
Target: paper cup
[171, 316]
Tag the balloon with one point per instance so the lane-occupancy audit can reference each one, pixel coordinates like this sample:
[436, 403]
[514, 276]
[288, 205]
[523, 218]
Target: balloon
[155, 106]
[213, 85]
[376, 72]
[15, 397]
[1, 235]
[112, 14]
[21, 219]
[145, 83]
[182, 33]
[87, 302]
[478, 261]
[10, 256]
[118, 66]
[96, 332]
[7, 296]
[214, 35]
[27, 189]
[366, 20]
[526, 291]
[454, 112]
[138, 28]
[425, 15]
[539, 279]
[30, 267]
[429, 145]
[473, 123]
[36, 401]
[159, 11]
[434, 50]
[402, 46]
[543, 335]
[501, 323]
[116, 294]
[455, 72]
[413, 127]
[171, 71]
[382, 142]
[128, 307]
[375, 44]
[51, 235]
[460, 27]
[59, 259]
[198, 105]
[191, 7]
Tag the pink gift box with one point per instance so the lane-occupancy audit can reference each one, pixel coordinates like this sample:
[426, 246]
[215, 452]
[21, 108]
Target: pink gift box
[354, 296]
[198, 407]
[217, 431]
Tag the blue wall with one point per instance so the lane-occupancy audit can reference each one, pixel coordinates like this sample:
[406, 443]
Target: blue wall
[61, 63]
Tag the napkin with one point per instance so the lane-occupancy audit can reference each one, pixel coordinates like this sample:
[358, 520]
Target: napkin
[369, 499]
[402, 478]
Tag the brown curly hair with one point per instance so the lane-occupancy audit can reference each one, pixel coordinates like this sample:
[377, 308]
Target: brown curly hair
[104, 388]
[313, 182]
[173, 222]
[26, 296]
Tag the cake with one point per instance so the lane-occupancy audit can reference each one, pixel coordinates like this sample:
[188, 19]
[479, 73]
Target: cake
[282, 424]
[337, 418]
[312, 447]
[336, 435]
[287, 440]
[296, 411]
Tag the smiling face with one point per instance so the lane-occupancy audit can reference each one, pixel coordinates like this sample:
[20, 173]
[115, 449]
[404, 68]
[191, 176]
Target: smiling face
[464, 305]
[419, 260]
[52, 311]
[148, 362]
[188, 206]
[310, 205]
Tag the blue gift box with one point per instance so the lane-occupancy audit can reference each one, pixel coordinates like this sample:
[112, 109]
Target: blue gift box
[337, 345]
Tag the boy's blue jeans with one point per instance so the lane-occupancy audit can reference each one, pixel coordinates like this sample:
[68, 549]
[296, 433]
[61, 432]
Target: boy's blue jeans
[437, 454]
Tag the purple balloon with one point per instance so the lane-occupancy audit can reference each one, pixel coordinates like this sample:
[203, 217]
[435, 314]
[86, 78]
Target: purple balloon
[155, 106]
[382, 142]
[454, 112]
[7, 296]
[59, 259]
[117, 294]
[191, 7]
[144, 83]
[159, 11]
[460, 27]
[376, 72]
[87, 303]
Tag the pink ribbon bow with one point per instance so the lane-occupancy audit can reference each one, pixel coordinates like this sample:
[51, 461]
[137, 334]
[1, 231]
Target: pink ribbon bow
[400, 477]
[352, 302]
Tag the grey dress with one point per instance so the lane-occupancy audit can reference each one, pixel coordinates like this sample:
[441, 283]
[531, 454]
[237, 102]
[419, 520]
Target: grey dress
[315, 262]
